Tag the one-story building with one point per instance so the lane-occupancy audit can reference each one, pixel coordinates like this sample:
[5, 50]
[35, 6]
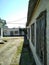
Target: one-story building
[38, 30]
[12, 31]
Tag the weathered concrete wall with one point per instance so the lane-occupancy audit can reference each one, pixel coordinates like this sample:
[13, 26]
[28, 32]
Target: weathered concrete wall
[48, 33]
[43, 5]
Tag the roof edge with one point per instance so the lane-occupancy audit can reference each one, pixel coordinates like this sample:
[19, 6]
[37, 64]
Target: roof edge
[31, 11]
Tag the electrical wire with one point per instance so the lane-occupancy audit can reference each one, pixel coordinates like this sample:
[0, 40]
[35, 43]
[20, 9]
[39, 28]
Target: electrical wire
[18, 19]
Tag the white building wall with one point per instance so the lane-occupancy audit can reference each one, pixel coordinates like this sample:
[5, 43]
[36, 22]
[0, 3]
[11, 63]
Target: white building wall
[14, 29]
[6, 31]
[43, 5]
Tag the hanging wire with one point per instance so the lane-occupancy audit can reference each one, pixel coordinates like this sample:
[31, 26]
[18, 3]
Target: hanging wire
[14, 22]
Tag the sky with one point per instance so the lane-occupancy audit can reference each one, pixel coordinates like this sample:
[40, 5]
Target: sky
[14, 12]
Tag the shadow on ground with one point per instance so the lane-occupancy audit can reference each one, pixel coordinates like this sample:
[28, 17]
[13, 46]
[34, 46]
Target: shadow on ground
[26, 54]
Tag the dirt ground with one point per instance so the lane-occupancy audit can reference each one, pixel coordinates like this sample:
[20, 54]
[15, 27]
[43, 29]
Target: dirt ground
[8, 50]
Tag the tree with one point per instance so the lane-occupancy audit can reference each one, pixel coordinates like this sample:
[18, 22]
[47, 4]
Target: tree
[2, 22]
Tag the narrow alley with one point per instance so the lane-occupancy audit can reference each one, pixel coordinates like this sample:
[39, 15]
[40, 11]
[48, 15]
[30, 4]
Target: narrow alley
[15, 52]
[24, 32]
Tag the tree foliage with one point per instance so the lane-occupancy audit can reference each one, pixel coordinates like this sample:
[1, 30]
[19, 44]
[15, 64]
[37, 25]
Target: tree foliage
[3, 22]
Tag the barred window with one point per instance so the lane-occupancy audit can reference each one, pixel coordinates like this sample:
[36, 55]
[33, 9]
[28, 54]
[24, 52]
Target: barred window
[16, 32]
[32, 34]
[11, 33]
[41, 37]
[28, 31]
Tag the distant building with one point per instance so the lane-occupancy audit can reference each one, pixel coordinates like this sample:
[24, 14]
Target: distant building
[13, 31]
[38, 30]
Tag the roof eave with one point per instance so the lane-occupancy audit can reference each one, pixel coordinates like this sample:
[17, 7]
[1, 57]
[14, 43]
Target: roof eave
[31, 8]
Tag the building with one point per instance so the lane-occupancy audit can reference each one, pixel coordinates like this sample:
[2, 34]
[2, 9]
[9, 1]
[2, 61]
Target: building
[38, 30]
[13, 31]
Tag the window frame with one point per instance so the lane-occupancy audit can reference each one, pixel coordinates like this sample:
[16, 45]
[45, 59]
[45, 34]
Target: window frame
[45, 44]
[33, 34]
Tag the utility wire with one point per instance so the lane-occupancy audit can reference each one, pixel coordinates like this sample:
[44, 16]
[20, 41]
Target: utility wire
[15, 23]
[16, 20]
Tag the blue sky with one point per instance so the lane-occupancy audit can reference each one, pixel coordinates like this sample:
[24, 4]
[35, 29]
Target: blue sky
[13, 10]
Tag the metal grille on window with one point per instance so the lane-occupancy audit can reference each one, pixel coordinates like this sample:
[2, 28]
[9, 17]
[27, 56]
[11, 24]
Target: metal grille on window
[28, 31]
[41, 38]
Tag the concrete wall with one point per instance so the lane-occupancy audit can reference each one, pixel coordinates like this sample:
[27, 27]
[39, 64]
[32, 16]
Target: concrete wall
[43, 5]
[48, 33]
